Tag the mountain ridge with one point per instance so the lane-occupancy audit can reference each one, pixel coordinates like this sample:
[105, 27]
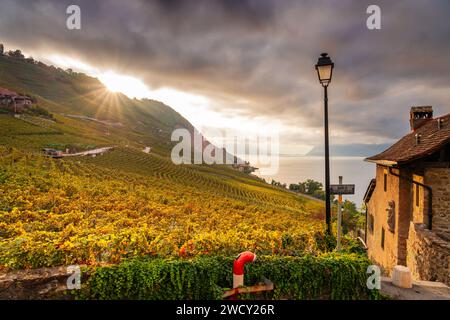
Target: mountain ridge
[81, 97]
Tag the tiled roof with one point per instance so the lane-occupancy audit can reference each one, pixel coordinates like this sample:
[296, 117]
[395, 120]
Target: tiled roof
[4, 91]
[406, 149]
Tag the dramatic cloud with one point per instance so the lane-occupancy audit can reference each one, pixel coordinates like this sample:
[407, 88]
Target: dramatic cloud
[256, 58]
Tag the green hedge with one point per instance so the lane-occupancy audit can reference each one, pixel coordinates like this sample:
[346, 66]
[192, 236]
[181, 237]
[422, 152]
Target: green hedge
[329, 276]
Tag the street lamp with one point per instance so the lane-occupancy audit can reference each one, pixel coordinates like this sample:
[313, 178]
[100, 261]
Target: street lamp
[324, 69]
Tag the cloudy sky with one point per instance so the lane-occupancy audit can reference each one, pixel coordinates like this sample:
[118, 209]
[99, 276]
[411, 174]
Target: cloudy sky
[248, 64]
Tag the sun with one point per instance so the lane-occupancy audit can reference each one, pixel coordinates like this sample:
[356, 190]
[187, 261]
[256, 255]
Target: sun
[130, 86]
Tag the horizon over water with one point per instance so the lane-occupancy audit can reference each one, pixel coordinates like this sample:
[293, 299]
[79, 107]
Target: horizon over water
[354, 170]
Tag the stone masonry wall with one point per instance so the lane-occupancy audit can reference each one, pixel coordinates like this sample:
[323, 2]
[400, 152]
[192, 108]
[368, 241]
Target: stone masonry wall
[428, 255]
[45, 283]
[439, 180]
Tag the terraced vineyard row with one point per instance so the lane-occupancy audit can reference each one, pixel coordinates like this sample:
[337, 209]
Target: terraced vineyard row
[225, 181]
[33, 137]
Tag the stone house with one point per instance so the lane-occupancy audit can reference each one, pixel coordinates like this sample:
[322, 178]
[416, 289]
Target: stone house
[13, 101]
[408, 202]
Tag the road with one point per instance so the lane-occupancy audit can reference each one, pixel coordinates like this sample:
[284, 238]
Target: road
[89, 152]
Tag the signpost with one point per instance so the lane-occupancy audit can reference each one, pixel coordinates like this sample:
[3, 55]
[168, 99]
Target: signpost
[341, 189]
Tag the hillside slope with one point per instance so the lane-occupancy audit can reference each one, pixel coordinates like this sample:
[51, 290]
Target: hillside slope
[67, 94]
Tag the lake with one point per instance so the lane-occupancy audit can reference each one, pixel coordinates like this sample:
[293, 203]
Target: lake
[294, 169]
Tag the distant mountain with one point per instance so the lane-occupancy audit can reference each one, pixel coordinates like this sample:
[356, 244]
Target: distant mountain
[350, 150]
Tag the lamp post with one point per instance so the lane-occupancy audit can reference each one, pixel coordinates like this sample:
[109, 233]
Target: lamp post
[324, 69]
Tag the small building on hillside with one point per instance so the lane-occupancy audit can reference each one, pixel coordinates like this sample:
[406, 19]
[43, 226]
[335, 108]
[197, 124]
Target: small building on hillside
[12, 101]
[244, 167]
[21, 103]
[408, 202]
[6, 93]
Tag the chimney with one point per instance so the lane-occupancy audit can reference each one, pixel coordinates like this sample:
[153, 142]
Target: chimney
[419, 115]
[417, 136]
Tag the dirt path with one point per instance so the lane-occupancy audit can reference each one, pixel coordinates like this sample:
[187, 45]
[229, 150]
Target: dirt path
[89, 152]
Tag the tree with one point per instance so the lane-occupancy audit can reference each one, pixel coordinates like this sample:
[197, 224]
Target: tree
[312, 186]
[16, 54]
[302, 187]
[309, 186]
[351, 216]
[319, 194]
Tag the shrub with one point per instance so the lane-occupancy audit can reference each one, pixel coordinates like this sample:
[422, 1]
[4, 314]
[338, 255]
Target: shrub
[331, 275]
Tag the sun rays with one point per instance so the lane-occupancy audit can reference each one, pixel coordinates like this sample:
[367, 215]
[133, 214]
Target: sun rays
[130, 86]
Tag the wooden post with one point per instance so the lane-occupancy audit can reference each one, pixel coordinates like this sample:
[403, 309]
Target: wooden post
[339, 222]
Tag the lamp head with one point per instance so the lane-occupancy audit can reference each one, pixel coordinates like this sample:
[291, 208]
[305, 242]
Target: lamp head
[324, 69]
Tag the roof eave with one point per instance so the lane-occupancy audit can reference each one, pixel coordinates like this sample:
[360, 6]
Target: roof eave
[388, 163]
[369, 190]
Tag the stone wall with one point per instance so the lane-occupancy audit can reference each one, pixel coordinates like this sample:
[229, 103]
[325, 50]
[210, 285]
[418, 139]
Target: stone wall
[439, 180]
[44, 283]
[428, 255]
[428, 252]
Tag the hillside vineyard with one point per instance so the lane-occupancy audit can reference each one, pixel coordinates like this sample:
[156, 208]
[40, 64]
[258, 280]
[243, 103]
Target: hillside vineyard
[125, 204]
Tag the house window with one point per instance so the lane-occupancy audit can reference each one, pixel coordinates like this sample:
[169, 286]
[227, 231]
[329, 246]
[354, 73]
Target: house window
[417, 195]
[382, 238]
[385, 182]
[371, 223]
